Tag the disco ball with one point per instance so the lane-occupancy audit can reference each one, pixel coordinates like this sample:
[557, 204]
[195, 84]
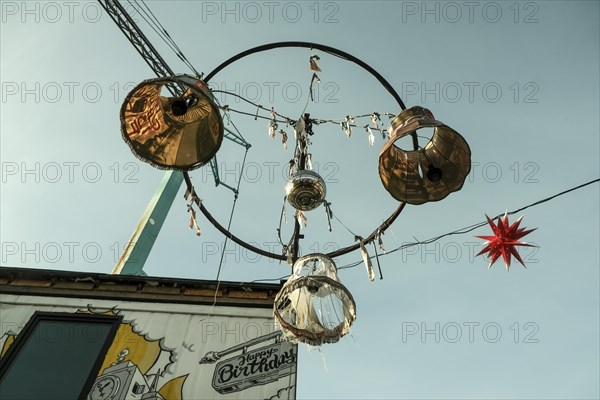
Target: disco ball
[305, 190]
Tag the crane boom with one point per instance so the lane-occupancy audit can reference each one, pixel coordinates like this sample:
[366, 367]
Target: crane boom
[137, 38]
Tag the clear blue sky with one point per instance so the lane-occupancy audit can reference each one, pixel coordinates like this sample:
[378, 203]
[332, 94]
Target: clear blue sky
[519, 80]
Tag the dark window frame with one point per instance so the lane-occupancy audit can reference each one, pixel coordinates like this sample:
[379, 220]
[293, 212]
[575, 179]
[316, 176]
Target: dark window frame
[21, 339]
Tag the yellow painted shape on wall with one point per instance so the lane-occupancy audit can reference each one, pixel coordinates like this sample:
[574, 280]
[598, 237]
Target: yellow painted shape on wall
[9, 340]
[142, 352]
[173, 390]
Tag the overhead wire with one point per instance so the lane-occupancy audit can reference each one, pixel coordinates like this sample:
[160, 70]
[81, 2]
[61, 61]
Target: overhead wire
[235, 198]
[472, 227]
[258, 106]
[153, 22]
[343, 224]
[460, 231]
[177, 49]
[155, 27]
[286, 119]
[148, 16]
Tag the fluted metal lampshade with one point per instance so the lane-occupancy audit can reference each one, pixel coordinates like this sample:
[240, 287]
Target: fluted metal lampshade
[313, 306]
[429, 173]
[305, 190]
[180, 133]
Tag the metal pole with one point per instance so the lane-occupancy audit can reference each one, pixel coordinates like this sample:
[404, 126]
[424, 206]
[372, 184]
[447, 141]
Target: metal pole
[139, 246]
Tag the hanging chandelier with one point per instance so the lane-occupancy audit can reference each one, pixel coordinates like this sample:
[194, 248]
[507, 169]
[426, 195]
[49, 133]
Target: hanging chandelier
[183, 130]
[313, 306]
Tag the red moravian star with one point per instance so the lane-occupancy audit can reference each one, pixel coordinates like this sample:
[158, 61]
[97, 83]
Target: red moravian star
[505, 238]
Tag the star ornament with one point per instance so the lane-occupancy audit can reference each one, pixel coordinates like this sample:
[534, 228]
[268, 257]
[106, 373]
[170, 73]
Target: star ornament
[505, 239]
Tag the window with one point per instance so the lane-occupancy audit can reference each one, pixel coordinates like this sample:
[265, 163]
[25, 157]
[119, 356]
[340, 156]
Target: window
[56, 356]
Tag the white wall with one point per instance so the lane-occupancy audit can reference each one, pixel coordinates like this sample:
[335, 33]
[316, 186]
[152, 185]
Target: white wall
[186, 334]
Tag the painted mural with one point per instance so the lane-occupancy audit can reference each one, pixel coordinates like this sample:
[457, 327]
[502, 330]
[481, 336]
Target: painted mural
[205, 358]
[125, 371]
[249, 366]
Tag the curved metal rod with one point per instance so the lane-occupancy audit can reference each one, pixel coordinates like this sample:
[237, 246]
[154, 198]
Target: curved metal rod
[331, 50]
[382, 228]
[308, 45]
[224, 230]
[340, 252]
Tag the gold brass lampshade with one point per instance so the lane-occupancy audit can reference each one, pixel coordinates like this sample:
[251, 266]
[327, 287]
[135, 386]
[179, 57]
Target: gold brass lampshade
[180, 133]
[430, 173]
